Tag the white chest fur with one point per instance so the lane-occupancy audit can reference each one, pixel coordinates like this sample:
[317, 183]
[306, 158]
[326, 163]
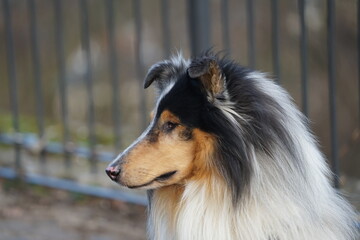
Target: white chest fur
[202, 211]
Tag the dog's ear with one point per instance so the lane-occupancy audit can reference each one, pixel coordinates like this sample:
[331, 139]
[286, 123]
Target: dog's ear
[158, 73]
[165, 72]
[208, 71]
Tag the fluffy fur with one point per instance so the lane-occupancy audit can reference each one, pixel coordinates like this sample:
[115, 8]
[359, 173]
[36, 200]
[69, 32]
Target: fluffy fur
[255, 171]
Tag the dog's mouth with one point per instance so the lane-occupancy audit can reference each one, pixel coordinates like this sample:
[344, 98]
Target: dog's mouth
[164, 176]
[161, 178]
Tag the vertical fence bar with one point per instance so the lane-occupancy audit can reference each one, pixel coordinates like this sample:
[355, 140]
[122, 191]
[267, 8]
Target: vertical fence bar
[138, 60]
[85, 43]
[303, 57]
[199, 26]
[113, 63]
[37, 78]
[165, 23]
[250, 33]
[358, 48]
[12, 82]
[332, 88]
[62, 83]
[225, 25]
[275, 38]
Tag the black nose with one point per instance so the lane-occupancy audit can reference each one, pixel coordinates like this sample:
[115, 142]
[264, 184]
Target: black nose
[113, 172]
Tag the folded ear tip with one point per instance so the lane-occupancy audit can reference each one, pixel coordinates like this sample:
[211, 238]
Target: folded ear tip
[201, 66]
[194, 71]
[146, 85]
[149, 79]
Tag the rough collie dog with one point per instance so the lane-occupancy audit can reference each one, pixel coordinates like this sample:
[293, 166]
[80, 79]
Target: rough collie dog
[227, 155]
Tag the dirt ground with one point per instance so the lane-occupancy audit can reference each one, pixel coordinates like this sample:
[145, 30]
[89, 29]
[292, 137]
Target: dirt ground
[30, 212]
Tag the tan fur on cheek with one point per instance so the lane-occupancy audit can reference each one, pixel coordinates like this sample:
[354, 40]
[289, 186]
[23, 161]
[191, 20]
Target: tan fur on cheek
[204, 151]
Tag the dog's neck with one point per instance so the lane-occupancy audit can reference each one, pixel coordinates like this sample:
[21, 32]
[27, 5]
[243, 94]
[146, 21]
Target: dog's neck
[196, 210]
[163, 211]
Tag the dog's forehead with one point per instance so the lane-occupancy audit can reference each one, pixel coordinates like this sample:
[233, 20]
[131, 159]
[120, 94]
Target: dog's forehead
[182, 98]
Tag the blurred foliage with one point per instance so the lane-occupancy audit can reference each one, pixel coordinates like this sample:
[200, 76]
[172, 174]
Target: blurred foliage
[28, 124]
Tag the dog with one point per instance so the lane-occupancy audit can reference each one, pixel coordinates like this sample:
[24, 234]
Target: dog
[228, 155]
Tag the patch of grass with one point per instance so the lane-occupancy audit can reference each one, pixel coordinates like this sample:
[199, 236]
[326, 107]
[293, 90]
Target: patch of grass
[79, 198]
[38, 191]
[8, 185]
[26, 123]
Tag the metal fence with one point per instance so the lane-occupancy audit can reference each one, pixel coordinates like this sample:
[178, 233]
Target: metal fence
[199, 20]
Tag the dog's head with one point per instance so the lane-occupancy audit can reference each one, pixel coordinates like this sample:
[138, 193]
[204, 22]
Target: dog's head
[177, 145]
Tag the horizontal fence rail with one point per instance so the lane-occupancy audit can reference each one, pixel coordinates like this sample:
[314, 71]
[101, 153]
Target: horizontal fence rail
[74, 187]
[199, 23]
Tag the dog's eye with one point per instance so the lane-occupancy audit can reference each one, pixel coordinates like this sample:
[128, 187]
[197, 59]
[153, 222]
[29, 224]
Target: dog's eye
[169, 126]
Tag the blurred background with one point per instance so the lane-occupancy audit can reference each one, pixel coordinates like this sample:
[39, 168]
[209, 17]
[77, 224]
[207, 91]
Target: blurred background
[71, 95]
